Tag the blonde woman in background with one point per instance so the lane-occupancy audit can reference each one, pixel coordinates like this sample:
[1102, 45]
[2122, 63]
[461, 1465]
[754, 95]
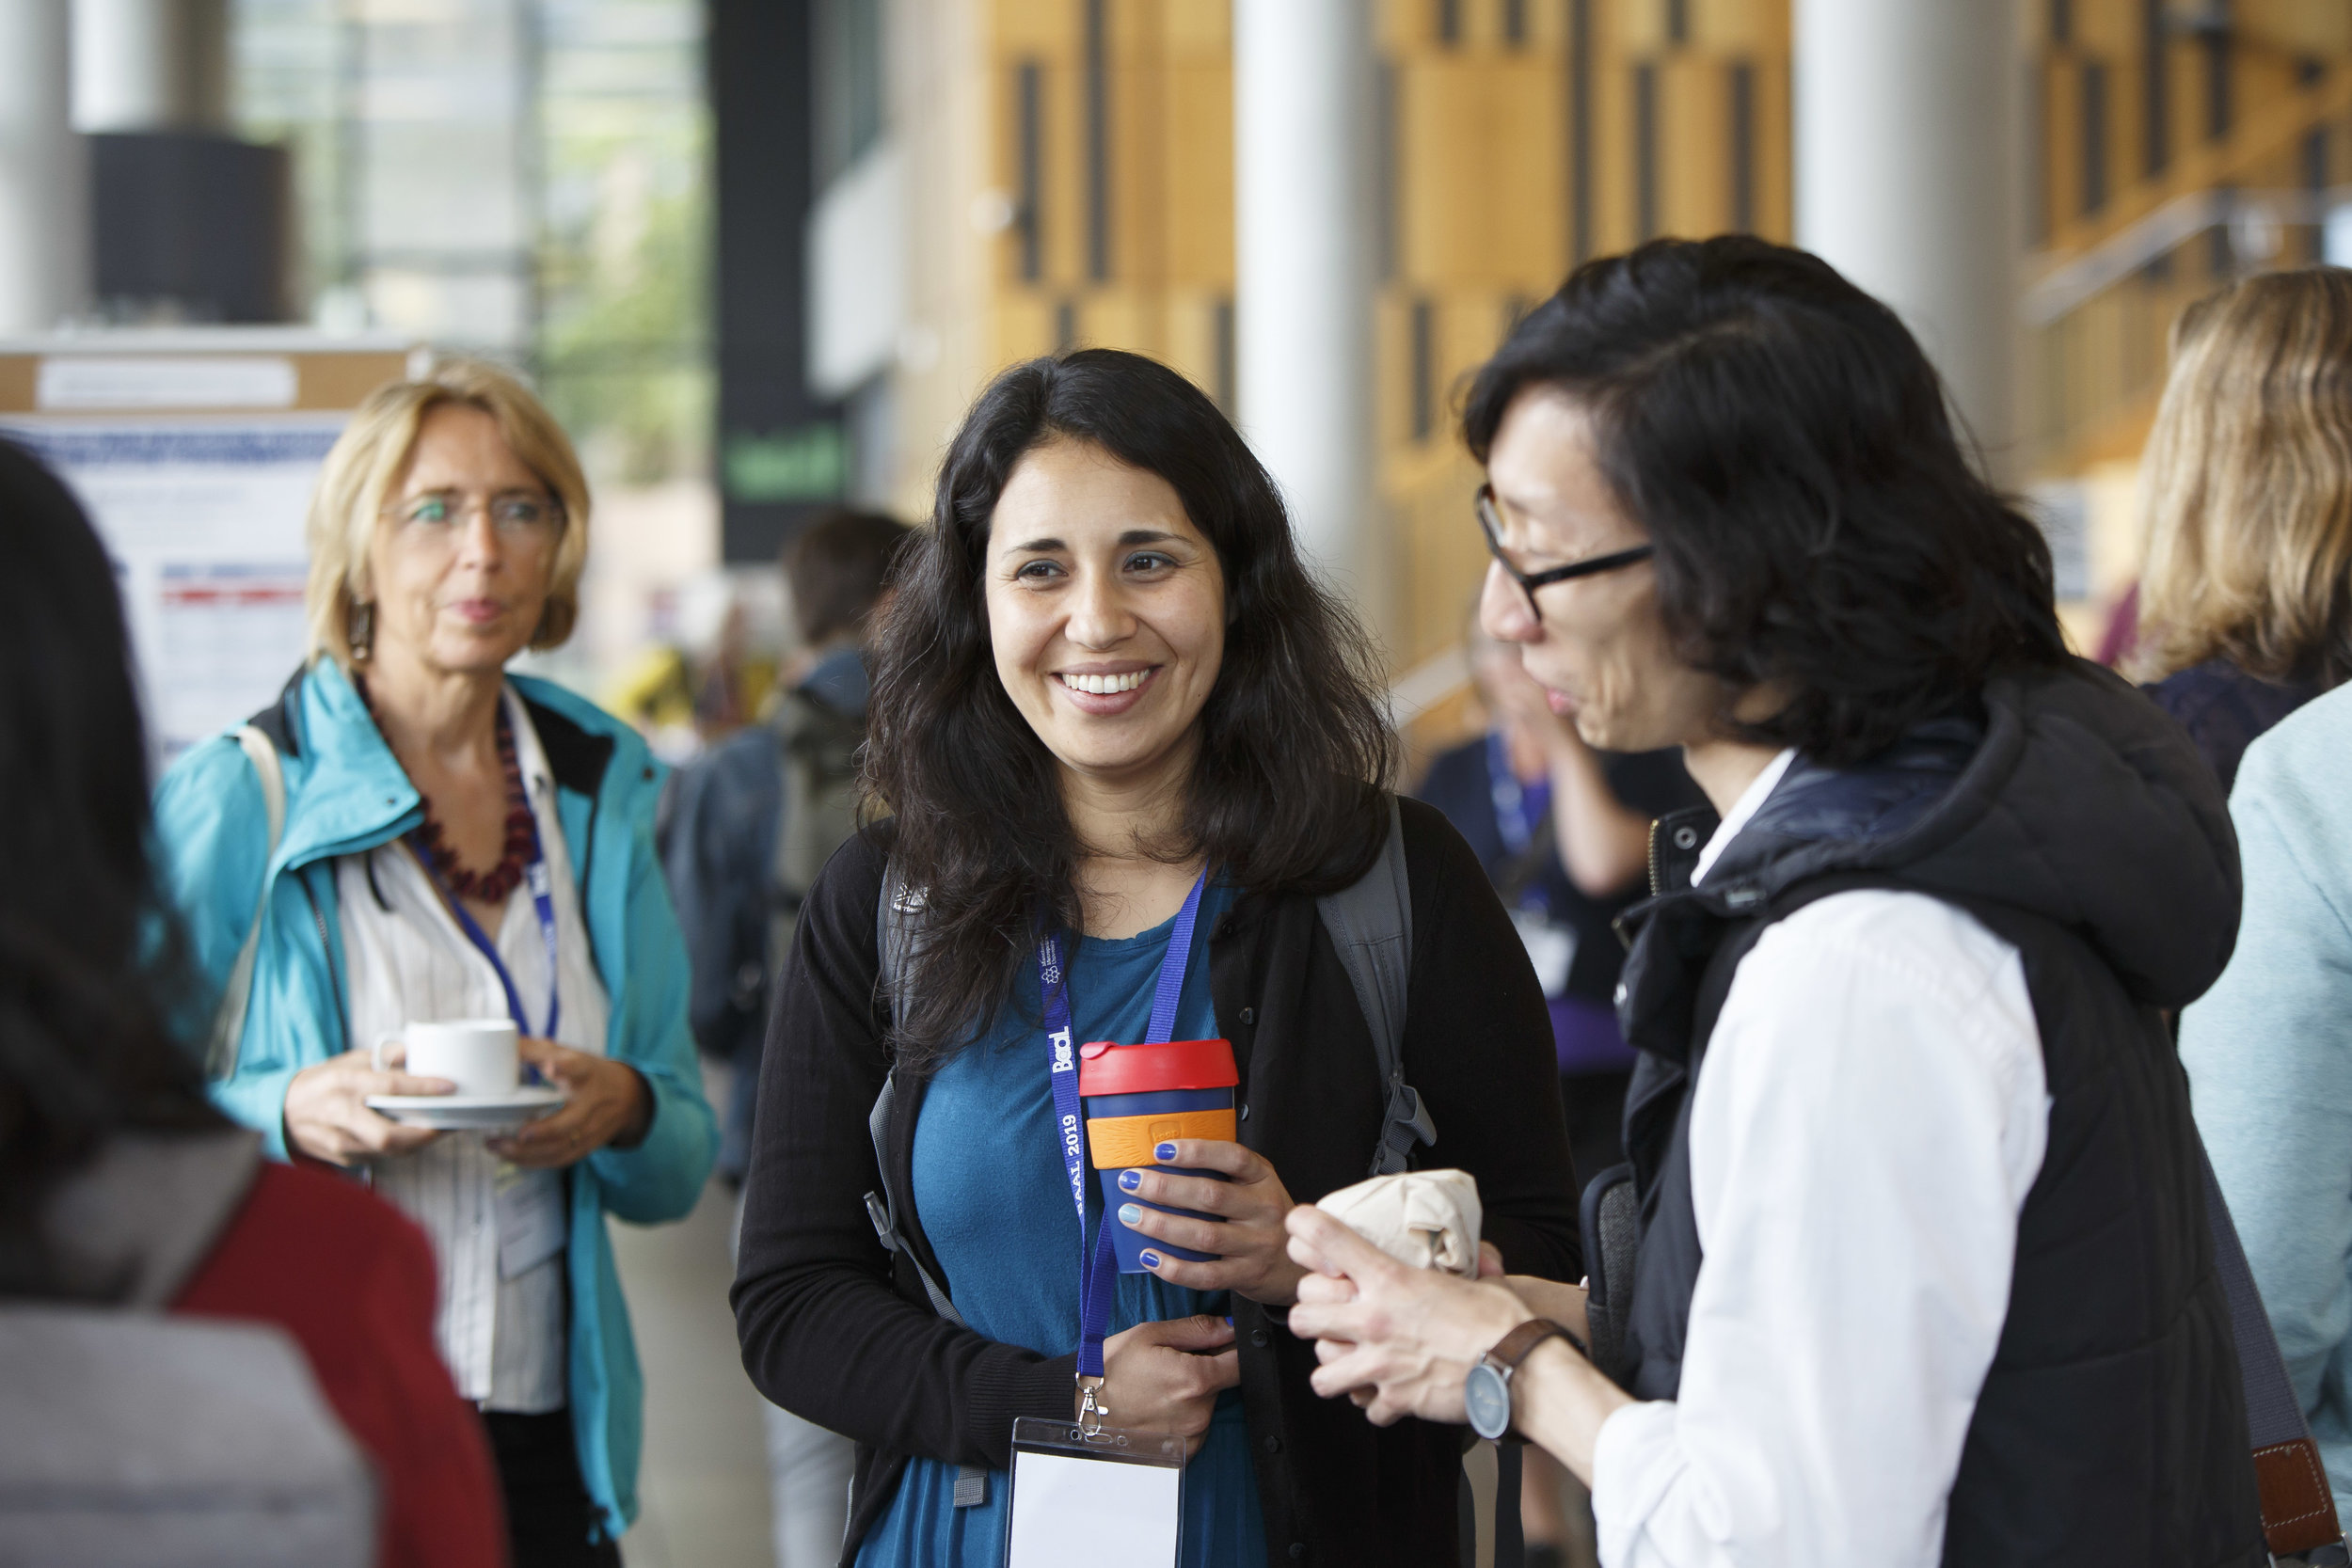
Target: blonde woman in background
[2245, 604]
[426, 791]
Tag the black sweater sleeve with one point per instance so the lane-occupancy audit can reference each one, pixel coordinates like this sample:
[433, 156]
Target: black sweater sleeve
[1478, 1047]
[824, 1332]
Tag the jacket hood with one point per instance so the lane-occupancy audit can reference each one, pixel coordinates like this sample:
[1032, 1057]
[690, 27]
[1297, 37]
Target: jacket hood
[2072, 798]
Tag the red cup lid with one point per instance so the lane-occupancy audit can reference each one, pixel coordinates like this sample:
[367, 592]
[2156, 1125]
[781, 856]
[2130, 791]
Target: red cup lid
[1105, 1067]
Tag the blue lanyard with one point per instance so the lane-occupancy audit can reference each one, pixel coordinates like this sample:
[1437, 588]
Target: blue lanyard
[1098, 1275]
[542, 885]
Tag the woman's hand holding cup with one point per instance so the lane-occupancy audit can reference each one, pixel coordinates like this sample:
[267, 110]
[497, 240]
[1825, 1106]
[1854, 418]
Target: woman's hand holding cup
[1251, 1246]
[605, 1102]
[327, 1113]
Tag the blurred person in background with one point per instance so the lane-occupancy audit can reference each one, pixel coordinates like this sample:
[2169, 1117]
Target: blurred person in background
[113, 1166]
[463, 843]
[1923, 1275]
[1563, 833]
[1107, 693]
[2245, 607]
[748, 826]
[2248, 604]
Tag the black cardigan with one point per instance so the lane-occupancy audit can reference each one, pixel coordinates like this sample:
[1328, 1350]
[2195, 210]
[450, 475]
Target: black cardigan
[830, 1332]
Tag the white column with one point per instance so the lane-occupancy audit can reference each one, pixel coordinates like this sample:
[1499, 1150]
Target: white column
[1303, 259]
[1907, 177]
[44, 181]
[149, 65]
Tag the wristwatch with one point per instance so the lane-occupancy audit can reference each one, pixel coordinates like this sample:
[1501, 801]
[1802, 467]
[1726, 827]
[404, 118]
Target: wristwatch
[1486, 1393]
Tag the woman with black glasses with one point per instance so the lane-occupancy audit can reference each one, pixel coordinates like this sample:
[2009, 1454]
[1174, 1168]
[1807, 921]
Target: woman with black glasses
[1919, 1269]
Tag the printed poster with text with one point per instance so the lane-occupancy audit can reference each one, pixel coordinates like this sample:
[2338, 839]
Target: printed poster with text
[203, 516]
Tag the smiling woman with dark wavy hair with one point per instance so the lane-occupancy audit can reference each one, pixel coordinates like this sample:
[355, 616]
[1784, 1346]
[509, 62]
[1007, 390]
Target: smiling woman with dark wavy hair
[1293, 739]
[1108, 692]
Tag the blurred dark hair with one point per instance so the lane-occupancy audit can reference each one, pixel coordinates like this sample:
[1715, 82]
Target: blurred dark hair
[1785, 444]
[88, 963]
[836, 568]
[1296, 743]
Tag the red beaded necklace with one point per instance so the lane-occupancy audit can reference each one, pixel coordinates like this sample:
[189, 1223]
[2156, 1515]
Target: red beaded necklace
[522, 830]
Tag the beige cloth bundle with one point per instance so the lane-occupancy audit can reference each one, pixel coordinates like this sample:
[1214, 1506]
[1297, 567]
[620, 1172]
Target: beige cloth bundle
[1426, 1218]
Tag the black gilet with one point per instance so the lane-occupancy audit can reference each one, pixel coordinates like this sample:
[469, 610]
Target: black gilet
[2076, 822]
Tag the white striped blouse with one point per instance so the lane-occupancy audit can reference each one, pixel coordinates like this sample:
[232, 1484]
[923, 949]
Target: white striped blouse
[503, 1337]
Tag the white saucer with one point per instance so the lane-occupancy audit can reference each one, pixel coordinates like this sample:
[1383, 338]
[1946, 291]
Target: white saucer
[487, 1112]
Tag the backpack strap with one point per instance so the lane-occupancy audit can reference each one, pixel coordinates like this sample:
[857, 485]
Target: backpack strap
[227, 1032]
[1371, 924]
[894, 916]
[2299, 1508]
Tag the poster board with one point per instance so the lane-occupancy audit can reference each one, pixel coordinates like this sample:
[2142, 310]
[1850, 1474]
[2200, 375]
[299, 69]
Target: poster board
[195, 453]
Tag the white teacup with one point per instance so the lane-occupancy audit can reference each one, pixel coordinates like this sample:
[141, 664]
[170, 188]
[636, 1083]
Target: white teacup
[477, 1055]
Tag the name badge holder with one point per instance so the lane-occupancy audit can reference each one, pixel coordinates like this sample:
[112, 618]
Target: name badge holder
[1080, 1496]
[1081, 1485]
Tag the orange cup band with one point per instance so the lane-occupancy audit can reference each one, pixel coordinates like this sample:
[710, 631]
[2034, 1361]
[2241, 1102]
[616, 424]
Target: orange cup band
[1117, 1142]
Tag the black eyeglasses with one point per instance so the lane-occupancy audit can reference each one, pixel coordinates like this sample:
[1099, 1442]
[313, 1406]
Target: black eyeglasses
[1491, 526]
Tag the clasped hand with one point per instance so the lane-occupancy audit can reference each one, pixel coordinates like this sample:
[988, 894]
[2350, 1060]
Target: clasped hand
[1166, 1376]
[1400, 1341]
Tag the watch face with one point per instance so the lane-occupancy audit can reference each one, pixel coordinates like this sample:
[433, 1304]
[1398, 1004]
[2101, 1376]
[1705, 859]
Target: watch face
[1488, 1399]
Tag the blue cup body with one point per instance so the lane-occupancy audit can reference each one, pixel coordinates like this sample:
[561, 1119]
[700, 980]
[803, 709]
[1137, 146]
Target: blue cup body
[1126, 1243]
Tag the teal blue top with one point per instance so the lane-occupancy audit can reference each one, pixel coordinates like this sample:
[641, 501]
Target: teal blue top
[345, 793]
[995, 1202]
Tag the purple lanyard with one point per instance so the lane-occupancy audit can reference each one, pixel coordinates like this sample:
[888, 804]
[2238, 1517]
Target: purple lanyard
[1098, 1275]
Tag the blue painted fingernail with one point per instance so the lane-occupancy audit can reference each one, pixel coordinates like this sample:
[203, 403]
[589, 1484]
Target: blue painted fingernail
[1130, 1179]
[1129, 1214]
[1165, 1151]
[1148, 1259]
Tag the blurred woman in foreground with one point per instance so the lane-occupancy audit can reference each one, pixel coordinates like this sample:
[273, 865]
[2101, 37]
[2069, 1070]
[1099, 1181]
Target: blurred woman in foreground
[93, 1088]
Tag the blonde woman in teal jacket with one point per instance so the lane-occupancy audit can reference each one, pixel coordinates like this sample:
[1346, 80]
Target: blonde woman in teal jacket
[458, 841]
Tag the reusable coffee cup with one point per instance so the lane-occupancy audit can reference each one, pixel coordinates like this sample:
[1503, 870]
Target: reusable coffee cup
[1136, 1097]
[477, 1055]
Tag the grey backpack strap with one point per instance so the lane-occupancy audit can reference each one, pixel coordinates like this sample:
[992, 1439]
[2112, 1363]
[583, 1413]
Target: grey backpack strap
[1371, 924]
[227, 1033]
[895, 915]
[880, 1210]
[146, 1212]
[2298, 1508]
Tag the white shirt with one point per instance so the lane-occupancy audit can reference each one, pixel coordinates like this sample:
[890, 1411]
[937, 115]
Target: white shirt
[504, 1338]
[1869, 1116]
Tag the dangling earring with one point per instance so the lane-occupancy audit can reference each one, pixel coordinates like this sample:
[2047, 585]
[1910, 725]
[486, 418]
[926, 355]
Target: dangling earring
[362, 629]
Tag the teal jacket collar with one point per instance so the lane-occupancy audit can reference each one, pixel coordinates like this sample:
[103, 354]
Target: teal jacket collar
[348, 792]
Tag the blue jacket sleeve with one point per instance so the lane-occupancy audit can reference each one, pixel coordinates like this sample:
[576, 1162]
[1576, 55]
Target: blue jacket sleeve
[211, 848]
[661, 1177]
[212, 842]
[2269, 1056]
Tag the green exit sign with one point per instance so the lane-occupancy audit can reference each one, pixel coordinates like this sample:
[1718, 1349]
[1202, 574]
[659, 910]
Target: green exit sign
[809, 463]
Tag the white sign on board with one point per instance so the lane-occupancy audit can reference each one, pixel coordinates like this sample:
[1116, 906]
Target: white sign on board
[204, 520]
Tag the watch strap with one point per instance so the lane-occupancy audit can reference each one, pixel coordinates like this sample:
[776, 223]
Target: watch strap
[1516, 1346]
